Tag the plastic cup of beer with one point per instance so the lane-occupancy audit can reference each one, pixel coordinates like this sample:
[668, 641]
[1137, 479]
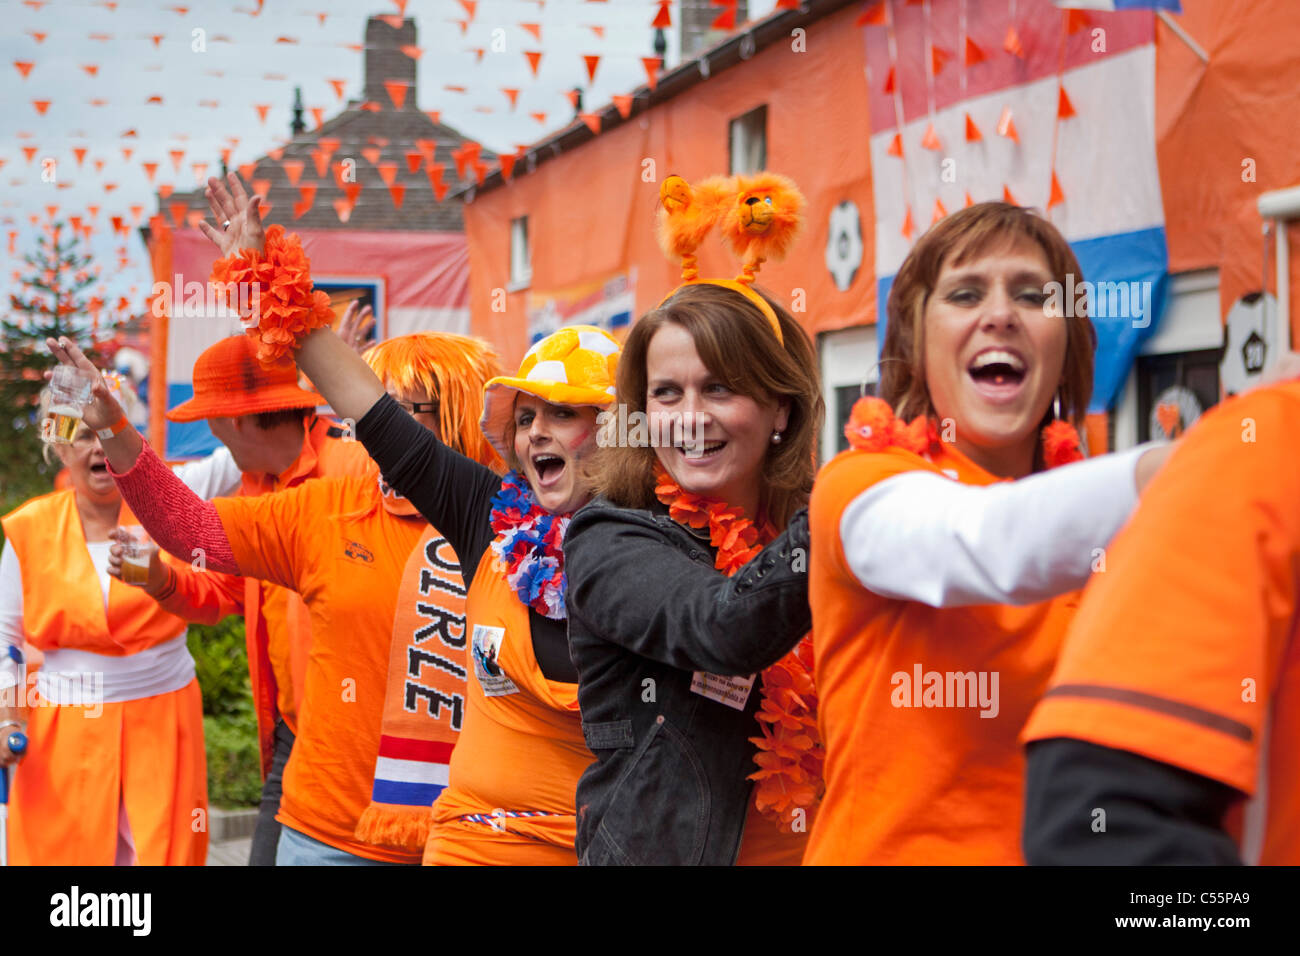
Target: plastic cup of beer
[137, 551]
[69, 395]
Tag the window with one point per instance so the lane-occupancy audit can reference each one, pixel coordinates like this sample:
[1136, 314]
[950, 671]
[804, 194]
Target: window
[850, 369]
[521, 260]
[748, 144]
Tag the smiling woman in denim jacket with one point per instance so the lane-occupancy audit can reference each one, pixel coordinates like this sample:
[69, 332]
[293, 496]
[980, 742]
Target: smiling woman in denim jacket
[675, 605]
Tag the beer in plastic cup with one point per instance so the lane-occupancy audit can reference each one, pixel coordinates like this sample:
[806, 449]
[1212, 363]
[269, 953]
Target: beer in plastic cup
[64, 420]
[70, 389]
[137, 552]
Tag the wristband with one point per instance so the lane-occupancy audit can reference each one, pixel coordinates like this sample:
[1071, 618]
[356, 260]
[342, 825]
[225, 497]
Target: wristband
[116, 428]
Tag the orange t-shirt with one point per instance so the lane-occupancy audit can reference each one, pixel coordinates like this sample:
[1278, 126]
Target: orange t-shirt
[1186, 650]
[331, 540]
[907, 781]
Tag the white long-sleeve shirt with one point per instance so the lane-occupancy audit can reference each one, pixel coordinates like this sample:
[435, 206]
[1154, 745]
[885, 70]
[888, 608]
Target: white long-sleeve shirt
[922, 537]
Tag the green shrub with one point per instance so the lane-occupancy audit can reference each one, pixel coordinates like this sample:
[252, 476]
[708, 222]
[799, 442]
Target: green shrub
[229, 722]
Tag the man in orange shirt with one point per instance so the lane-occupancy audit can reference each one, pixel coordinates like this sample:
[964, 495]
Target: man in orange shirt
[1169, 730]
[269, 424]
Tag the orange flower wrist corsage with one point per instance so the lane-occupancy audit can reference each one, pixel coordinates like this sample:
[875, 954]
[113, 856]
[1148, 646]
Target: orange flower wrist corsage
[282, 307]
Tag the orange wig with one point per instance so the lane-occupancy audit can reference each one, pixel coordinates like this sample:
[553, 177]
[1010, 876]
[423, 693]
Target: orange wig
[453, 369]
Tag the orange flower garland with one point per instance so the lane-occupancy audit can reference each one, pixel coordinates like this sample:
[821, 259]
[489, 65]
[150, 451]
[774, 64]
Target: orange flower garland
[790, 753]
[285, 308]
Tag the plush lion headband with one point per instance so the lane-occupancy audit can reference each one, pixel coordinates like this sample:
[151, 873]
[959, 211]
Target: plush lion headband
[759, 216]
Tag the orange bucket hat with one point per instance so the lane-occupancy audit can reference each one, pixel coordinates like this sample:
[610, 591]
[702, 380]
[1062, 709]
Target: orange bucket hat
[229, 381]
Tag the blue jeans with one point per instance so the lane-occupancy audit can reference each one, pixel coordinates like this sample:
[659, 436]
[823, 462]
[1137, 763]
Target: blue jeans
[266, 837]
[298, 849]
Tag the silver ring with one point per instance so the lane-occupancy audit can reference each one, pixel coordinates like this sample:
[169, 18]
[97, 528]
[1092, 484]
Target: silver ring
[226, 224]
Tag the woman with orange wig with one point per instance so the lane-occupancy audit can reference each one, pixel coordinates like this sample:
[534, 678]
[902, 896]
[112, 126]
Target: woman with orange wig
[385, 679]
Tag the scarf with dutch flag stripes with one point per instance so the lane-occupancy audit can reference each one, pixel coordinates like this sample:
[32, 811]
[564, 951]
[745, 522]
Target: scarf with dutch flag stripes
[424, 703]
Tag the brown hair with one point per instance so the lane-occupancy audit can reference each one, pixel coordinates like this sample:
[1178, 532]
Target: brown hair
[735, 342]
[958, 238]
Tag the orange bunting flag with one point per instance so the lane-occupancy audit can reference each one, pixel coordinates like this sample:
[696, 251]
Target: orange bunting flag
[225, 155]
[165, 190]
[540, 117]
[80, 153]
[427, 147]
[973, 53]
[599, 31]
[343, 208]
[307, 194]
[434, 172]
[726, 20]
[177, 156]
[200, 172]
[534, 28]
[321, 160]
[262, 110]
[157, 40]
[293, 169]
[930, 140]
[41, 106]
[909, 226]
[512, 95]
[1064, 108]
[434, 115]
[150, 170]
[938, 57]
[398, 192]
[119, 227]
[329, 144]
[38, 37]
[193, 218]
[939, 212]
[93, 210]
[155, 100]
[246, 170]
[507, 165]
[471, 6]
[413, 161]
[30, 152]
[1012, 43]
[624, 104]
[896, 146]
[592, 120]
[787, 4]
[126, 153]
[480, 171]
[52, 211]
[1076, 20]
[889, 82]
[261, 187]
[393, 20]
[652, 65]
[136, 213]
[286, 40]
[24, 67]
[396, 92]
[973, 134]
[1007, 126]
[178, 210]
[352, 191]
[410, 50]
[534, 59]
[372, 154]
[318, 116]
[1058, 194]
[592, 60]
[969, 201]
[872, 16]
[1007, 197]
[572, 97]
[388, 173]
[338, 87]
[662, 18]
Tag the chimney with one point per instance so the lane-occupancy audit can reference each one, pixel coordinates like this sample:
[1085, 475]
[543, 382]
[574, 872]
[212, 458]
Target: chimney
[385, 60]
[696, 16]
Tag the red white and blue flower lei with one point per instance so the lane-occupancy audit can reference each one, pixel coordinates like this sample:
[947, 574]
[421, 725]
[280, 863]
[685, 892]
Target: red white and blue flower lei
[529, 546]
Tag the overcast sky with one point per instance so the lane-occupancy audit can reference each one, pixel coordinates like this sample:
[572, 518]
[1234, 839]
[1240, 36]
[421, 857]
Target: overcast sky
[98, 65]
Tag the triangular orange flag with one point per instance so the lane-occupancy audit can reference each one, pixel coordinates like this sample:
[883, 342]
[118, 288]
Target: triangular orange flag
[662, 18]
[30, 152]
[427, 147]
[24, 67]
[413, 161]
[1058, 194]
[930, 140]
[726, 20]
[246, 171]
[98, 164]
[178, 156]
[534, 28]
[352, 191]
[293, 169]
[540, 117]
[200, 172]
[434, 115]
[624, 104]
[909, 226]
[318, 116]
[136, 213]
[150, 170]
[512, 95]
[338, 87]
[652, 65]
[572, 97]
[969, 202]
[388, 173]
[896, 146]
[1012, 43]
[193, 218]
[80, 153]
[343, 208]
[592, 120]
[434, 172]
[1007, 197]
[507, 165]
[396, 92]
[307, 192]
[440, 189]
[872, 16]
[939, 212]
[889, 82]
[411, 50]
[1064, 108]
[973, 134]
[372, 154]
[41, 106]
[592, 60]
[262, 109]
[262, 187]
[973, 53]
[1007, 126]
[938, 57]
[398, 192]
[277, 154]
[329, 144]
[470, 7]
[178, 210]
[534, 58]
[321, 160]
[126, 152]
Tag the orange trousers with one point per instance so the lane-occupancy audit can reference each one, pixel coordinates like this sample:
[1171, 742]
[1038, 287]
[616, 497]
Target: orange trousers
[82, 767]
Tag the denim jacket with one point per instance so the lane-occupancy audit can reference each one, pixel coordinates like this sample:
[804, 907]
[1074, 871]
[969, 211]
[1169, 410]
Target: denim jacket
[647, 609]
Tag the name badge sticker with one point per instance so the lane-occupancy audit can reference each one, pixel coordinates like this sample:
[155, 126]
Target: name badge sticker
[732, 691]
[487, 668]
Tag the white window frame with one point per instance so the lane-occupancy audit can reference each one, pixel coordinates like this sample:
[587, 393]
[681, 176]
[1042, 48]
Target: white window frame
[847, 357]
[521, 255]
[743, 147]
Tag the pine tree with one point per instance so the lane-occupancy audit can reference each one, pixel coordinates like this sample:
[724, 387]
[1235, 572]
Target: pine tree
[53, 302]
